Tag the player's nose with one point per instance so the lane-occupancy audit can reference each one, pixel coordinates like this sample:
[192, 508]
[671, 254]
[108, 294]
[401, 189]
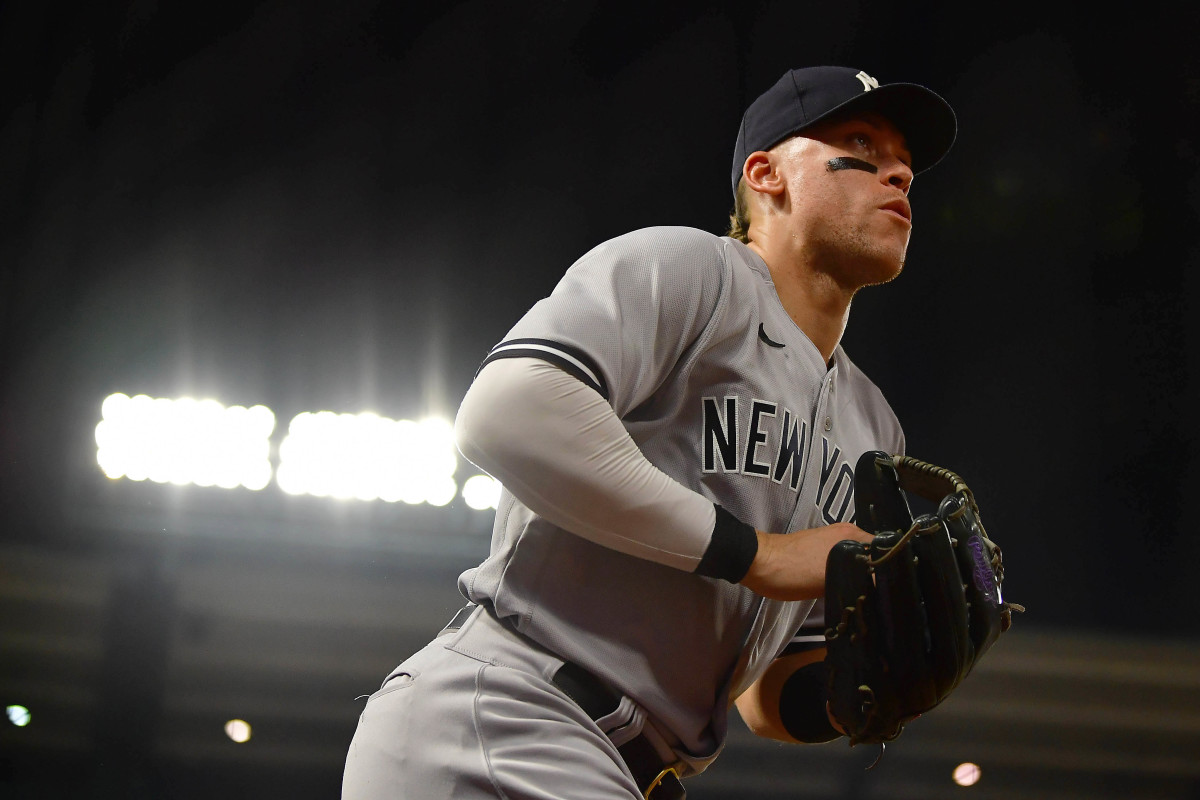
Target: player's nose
[895, 172]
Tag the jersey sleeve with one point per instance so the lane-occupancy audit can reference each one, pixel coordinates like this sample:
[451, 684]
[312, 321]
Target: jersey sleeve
[627, 313]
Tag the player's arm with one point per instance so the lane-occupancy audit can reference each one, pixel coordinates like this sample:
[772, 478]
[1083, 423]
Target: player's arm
[789, 702]
[559, 447]
[792, 566]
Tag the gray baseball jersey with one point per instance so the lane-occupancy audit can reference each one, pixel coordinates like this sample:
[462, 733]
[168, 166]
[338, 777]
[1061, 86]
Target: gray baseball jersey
[684, 335]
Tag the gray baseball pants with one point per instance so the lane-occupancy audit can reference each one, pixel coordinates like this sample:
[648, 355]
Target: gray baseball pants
[473, 715]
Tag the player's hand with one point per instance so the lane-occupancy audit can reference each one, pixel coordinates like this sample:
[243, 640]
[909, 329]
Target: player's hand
[791, 566]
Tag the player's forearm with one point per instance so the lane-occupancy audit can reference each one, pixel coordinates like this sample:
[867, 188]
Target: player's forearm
[786, 704]
[792, 566]
[561, 450]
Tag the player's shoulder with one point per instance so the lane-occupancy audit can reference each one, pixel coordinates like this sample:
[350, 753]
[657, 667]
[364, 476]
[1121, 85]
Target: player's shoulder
[667, 241]
[664, 255]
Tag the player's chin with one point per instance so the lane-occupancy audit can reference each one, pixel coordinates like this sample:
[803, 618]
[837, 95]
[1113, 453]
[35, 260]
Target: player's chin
[884, 258]
[883, 266]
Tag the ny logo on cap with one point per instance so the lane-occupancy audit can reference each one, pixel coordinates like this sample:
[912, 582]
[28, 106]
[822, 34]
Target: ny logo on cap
[868, 82]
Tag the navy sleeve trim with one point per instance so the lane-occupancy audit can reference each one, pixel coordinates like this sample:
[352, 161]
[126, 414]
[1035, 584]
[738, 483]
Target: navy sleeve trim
[731, 550]
[571, 359]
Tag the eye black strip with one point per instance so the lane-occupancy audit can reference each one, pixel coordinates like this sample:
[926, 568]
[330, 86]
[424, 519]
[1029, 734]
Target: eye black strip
[850, 162]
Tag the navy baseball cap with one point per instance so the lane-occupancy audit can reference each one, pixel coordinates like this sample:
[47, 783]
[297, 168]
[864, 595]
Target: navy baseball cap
[803, 97]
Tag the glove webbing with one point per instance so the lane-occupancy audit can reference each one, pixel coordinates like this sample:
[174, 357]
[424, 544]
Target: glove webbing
[930, 481]
[933, 483]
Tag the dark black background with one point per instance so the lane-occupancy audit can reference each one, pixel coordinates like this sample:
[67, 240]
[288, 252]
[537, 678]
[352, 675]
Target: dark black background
[319, 205]
[344, 205]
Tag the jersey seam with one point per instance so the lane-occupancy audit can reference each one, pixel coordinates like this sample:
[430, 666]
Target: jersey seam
[699, 347]
[688, 354]
[500, 525]
[487, 760]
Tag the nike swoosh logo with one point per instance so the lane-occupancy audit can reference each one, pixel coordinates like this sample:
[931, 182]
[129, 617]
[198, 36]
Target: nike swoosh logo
[762, 334]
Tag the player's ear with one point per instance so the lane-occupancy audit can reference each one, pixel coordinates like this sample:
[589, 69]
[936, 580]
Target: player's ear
[761, 174]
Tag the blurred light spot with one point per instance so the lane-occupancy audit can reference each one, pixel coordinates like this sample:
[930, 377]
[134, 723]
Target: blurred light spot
[481, 491]
[441, 491]
[184, 441]
[238, 730]
[18, 715]
[368, 457]
[967, 774]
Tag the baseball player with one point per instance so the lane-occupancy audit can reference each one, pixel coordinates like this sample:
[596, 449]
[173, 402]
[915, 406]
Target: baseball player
[675, 428]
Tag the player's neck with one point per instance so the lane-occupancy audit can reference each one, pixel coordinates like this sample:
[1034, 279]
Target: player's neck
[818, 304]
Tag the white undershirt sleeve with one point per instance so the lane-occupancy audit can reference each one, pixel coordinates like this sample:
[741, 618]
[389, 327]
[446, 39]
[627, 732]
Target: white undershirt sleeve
[561, 450]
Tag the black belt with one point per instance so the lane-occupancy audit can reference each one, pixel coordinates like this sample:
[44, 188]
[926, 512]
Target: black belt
[655, 781]
[598, 701]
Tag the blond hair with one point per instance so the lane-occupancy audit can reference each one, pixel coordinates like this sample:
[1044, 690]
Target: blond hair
[739, 218]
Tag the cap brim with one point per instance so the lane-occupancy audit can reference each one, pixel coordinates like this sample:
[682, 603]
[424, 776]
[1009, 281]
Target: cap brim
[926, 120]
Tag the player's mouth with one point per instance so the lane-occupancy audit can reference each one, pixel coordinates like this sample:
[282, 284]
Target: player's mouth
[900, 208]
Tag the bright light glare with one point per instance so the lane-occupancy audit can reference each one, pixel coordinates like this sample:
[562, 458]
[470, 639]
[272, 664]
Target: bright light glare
[481, 491]
[238, 730]
[18, 715]
[184, 441]
[967, 774]
[369, 457]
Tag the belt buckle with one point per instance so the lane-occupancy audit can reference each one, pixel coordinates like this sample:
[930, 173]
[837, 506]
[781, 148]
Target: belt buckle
[658, 781]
